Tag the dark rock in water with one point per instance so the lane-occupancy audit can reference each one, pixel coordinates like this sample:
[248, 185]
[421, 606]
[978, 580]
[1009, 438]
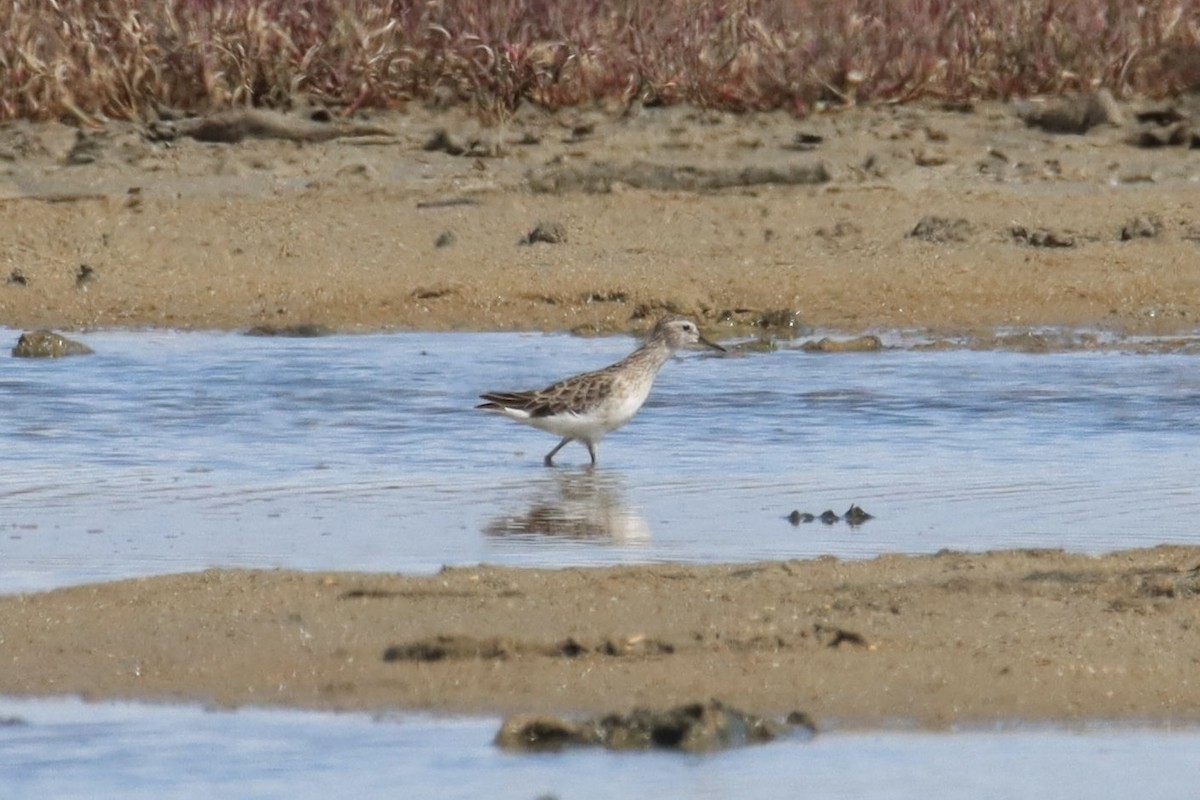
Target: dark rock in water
[547, 232]
[861, 344]
[856, 516]
[537, 734]
[801, 719]
[798, 517]
[48, 344]
[763, 344]
[941, 230]
[696, 727]
[305, 330]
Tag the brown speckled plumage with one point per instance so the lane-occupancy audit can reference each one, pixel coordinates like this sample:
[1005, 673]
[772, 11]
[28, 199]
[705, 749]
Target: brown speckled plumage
[589, 406]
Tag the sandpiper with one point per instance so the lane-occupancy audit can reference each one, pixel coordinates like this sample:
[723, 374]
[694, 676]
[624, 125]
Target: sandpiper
[587, 407]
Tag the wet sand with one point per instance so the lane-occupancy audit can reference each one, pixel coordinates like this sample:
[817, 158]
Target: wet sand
[377, 233]
[930, 640]
[717, 215]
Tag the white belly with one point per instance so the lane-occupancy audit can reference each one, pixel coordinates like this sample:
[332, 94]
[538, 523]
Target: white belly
[614, 412]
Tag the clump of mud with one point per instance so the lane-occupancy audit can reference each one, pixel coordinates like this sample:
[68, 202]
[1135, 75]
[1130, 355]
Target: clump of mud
[695, 727]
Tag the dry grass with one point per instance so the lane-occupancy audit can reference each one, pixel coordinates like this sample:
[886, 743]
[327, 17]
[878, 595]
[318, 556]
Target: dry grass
[90, 59]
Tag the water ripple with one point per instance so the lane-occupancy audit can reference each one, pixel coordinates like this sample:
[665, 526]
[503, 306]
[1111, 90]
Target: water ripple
[173, 450]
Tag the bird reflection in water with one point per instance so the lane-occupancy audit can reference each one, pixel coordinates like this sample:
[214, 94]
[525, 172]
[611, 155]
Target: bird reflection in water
[583, 504]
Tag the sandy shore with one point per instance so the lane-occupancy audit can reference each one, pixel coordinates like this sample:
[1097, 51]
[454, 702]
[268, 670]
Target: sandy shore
[716, 215]
[725, 217]
[935, 640]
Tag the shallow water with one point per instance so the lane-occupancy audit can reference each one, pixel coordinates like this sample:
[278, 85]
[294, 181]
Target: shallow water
[168, 451]
[65, 748]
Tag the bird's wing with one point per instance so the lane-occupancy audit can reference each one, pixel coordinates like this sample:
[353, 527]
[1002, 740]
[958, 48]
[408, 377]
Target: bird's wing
[579, 392]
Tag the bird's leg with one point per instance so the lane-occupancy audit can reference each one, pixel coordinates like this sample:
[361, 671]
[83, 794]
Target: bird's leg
[591, 451]
[549, 460]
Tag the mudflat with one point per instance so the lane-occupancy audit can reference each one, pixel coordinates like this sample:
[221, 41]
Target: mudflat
[870, 218]
[958, 223]
[931, 640]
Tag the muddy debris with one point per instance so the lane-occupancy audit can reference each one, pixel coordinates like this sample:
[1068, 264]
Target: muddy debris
[839, 230]
[17, 278]
[237, 125]
[785, 322]
[1165, 126]
[1162, 116]
[446, 648]
[1076, 114]
[763, 344]
[630, 646]
[616, 296]
[859, 344]
[85, 275]
[442, 141]
[302, 330]
[1041, 237]
[48, 344]
[657, 308]
[451, 647]
[445, 239]
[853, 517]
[690, 728]
[580, 132]
[545, 232]
[930, 158]
[546, 734]
[469, 147]
[941, 230]
[833, 636]
[804, 142]
[1024, 342]
[433, 292]
[1177, 135]
[1141, 227]
[88, 149]
[450, 202]
[600, 178]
